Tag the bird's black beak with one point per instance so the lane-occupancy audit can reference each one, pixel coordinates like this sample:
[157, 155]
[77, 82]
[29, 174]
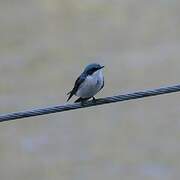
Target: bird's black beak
[101, 67]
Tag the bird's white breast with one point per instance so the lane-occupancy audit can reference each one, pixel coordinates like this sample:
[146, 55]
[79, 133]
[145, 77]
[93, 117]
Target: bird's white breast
[91, 85]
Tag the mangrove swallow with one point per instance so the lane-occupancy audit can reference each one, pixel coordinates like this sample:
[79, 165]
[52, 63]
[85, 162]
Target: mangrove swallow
[88, 84]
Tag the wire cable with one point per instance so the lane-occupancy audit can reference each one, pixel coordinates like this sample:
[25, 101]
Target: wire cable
[106, 100]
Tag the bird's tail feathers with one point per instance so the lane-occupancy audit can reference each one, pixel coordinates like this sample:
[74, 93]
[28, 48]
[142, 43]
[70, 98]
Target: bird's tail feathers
[69, 92]
[70, 96]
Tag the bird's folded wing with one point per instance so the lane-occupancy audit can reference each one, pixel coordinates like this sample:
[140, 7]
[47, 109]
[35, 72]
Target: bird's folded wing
[78, 82]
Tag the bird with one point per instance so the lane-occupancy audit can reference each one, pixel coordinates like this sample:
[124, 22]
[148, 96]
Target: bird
[88, 84]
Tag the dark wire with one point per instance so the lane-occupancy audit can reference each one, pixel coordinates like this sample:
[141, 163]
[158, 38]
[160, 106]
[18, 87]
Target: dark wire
[67, 107]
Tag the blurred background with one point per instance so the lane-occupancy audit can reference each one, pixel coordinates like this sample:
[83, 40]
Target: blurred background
[45, 44]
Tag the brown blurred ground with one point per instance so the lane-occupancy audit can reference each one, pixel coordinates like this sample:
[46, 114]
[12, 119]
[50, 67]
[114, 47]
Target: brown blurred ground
[44, 44]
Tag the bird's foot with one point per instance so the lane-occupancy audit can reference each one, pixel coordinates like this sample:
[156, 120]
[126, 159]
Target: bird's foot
[82, 100]
[94, 99]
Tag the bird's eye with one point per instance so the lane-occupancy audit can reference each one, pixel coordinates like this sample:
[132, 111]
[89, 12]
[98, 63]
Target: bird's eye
[91, 71]
[95, 69]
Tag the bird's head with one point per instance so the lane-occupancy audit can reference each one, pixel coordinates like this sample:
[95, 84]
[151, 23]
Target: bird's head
[92, 68]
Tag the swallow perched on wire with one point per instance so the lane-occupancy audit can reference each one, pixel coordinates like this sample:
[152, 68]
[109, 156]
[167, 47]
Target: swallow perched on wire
[88, 84]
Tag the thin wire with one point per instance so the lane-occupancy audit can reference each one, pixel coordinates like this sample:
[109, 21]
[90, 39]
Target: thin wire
[67, 107]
